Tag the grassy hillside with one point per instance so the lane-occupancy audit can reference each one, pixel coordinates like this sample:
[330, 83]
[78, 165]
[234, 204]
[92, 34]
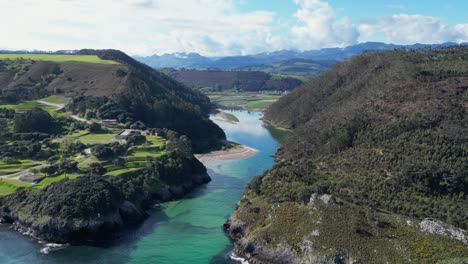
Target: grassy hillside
[379, 144]
[57, 58]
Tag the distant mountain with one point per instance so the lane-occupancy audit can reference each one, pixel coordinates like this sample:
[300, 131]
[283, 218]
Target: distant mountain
[196, 61]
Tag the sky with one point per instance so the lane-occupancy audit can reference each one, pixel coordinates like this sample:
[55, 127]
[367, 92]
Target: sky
[226, 27]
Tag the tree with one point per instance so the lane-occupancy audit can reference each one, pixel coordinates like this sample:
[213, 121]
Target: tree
[94, 127]
[96, 169]
[34, 120]
[102, 151]
[69, 146]
[50, 170]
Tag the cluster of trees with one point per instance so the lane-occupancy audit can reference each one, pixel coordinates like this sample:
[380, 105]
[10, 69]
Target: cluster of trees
[108, 150]
[385, 130]
[34, 120]
[218, 80]
[64, 166]
[7, 113]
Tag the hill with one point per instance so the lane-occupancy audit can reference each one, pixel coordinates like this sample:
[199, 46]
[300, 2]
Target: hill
[124, 89]
[87, 143]
[217, 80]
[299, 68]
[375, 170]
[197, 61]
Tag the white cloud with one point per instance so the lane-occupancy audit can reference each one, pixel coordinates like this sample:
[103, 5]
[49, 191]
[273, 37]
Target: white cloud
[320, 27]
[410, 29]
[211, 27]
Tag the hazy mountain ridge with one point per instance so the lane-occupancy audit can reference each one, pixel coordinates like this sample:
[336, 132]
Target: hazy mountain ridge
[197, 61]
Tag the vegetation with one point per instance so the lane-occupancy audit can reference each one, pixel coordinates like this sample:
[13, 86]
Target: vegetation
[57, 58]
[259, 105]
[385, 135]
[128, 91]
[235, 100]
[298, 68]
[34, 120]
[241, 81]
[55, 99]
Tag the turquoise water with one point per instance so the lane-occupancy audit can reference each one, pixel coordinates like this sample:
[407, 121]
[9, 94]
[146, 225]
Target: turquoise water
[184, 231]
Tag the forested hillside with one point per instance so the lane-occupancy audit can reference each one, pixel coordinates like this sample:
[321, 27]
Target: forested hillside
[379, 144]
[247, 81]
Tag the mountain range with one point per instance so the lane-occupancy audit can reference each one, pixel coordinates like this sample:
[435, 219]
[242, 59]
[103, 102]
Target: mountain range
[197, 61]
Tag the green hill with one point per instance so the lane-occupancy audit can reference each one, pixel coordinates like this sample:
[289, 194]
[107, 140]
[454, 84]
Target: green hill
[298, 68]
[121, 88]
[221, 80]
[375, 170]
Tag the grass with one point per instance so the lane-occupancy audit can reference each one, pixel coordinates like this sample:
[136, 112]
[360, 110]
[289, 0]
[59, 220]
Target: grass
[9, 186]
[55, 99]
[229, 117]
[17, 167]
[49, 180]
[28, 105]
[89, 138]
[259, 105]
[59, 58]
[135, 161]
[122, 172]
[243, 100]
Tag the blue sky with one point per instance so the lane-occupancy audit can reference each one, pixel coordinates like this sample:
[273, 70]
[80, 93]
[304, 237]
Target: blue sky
[226, 27]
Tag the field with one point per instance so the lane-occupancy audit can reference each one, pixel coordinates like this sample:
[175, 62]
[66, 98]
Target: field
[244, 100]
[136, 159]
[55, 100]
[49, 180]
[89, 138]
[9, 186]
[28, 105]
[58, 58]
[16, 167]
[259, 105]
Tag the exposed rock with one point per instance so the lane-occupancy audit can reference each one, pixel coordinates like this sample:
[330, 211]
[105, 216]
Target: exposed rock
[325, 198]
[438, 228]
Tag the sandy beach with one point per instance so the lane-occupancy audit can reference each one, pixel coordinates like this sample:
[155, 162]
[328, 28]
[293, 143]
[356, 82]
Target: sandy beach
[230, 154]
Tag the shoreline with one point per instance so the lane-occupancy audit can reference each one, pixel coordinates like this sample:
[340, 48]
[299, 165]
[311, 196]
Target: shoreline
[230, 154]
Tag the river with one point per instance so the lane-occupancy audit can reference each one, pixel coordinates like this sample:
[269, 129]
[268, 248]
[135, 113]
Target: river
[184, 231]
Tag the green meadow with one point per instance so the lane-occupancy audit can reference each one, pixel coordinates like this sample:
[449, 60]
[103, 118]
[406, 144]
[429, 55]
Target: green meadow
[58, 58]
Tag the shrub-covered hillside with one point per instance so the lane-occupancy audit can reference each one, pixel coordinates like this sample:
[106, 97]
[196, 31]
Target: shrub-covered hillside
[385, 136]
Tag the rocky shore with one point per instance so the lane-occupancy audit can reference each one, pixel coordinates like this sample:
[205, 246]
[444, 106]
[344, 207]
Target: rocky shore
[91, 209]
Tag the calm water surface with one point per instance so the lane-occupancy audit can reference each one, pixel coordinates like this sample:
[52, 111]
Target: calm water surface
[184, 231]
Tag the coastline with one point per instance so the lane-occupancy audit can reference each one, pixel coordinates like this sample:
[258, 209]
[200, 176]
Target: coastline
[230, 154]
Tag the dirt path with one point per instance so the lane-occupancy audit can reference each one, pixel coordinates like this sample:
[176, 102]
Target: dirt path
[230, 154]
[58, 106]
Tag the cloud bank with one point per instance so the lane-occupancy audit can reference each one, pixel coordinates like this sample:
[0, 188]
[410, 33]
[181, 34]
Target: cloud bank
[209, 27]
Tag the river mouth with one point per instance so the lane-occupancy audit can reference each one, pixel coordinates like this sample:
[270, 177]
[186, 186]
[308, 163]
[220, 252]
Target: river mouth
[184, 231]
